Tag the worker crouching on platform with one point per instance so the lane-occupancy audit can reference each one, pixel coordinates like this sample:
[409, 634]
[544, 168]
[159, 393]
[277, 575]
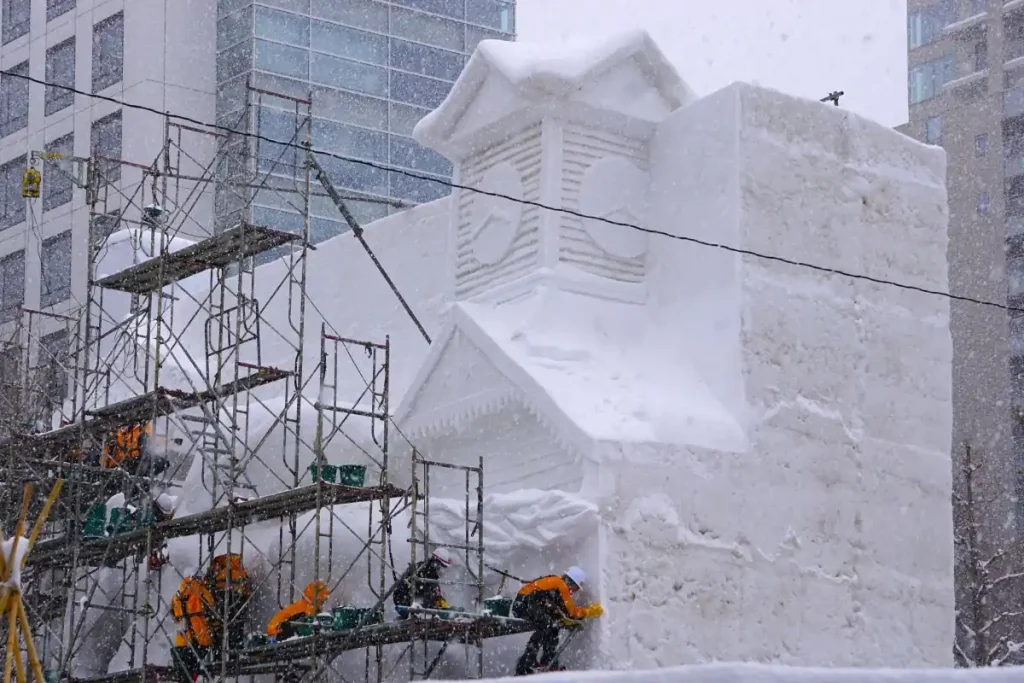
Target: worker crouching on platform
[281, 627]
[191, 607]
[547, 603]
[412, 590]
[229, 581]
[127, 448]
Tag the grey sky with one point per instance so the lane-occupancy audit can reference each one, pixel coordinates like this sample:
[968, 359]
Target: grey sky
[803, 47]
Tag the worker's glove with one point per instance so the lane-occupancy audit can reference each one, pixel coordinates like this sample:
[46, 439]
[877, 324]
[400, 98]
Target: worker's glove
[442, 603]
[594, 611]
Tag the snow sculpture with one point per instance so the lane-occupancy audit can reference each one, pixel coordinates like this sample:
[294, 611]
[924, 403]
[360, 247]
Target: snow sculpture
[767, 444]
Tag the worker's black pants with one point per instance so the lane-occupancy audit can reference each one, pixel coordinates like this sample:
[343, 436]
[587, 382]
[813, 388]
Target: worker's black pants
[188, 662]
[544, 640]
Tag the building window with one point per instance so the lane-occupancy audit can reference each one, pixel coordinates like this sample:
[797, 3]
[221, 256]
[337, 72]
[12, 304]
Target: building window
[981, 55]
[52, 364]
[933, 130]
[496, 14]
[106, 143]
[60, 70]
[55, 277]
[56, 8]
[1015, 276]
[10, 384]
[14, 100]
[107, 52]
[17, 15]
[926, 79]
[925, 25]
[12, 286]
[13, 210]
[103, 226]
[981, 145]
[983, 202]
[57, 183]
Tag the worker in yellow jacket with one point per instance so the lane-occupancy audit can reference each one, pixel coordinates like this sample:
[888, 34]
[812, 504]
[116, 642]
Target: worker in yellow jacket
[547, 603]
[282, 627]
[192, 607]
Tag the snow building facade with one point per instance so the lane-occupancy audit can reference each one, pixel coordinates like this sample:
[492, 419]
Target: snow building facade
[651, 309]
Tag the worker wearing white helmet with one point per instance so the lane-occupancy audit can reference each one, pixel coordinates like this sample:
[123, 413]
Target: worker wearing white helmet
[546, 603]
[420, 584]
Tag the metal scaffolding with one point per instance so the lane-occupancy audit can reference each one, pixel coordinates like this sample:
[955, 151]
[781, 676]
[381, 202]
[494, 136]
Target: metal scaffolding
[176, 346]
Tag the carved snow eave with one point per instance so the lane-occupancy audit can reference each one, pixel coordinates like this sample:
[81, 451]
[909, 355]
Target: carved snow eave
[415, 420]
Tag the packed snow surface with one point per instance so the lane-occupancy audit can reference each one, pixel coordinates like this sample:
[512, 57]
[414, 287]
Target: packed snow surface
[763, 673]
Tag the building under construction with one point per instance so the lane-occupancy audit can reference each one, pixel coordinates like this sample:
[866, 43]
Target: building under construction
[168, 474]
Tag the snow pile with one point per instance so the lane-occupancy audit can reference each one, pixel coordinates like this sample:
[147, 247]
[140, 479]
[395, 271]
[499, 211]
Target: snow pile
[761, 673]
[14, 559]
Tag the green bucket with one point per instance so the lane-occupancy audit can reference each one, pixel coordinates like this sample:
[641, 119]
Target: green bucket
[352, 475]
[498, 606]
[347, 475]
[95, 522]
[305, 625]
[346, 618]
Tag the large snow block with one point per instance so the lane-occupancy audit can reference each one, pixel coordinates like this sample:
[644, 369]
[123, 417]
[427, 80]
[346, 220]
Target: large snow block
[829, 540]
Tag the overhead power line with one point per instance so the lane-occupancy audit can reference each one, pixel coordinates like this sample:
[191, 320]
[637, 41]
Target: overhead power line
[527, 202]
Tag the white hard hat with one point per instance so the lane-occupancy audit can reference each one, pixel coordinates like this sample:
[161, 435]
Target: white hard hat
[576, 575]
[443, 556]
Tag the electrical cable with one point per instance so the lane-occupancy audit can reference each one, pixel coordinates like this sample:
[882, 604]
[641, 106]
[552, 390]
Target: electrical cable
[539, 205]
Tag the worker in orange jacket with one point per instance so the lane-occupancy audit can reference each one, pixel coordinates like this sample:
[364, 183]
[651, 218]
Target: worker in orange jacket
[229, 581]
[127, 448]
[192, 606]
[281, 627]
[547, 603]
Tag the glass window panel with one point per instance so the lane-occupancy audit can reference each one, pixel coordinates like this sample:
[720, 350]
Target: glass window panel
[53, 361]
[234, 61]
[55, 270]
[300, 6]
[108, 52]
[496, 14]
[13, 210]
[419, 90]
[418, 190]
[56, 8]
[429, 61]
[12, 286]
[359, 110]
[282, 59]
[282, 26]
[57, 184]
[404, 118]
[342, 73]
[352, 176]
[322, 229]
[342, 41]
[234, 28]
[424, 28]
[106, 142]
[449, 8]
[14, 100]
[474, 34]
[16, 18]
[933, 130]
[408, 154]
[359, 13]
[350, 141]
[104, 226]
[60, 70]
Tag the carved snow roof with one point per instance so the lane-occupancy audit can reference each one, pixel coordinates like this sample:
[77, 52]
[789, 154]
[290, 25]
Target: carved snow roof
[504, 77]
[550, 353]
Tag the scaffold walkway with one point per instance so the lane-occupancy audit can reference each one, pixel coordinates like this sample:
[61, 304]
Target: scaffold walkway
[59, 444]
[223, 249]
[113, 549]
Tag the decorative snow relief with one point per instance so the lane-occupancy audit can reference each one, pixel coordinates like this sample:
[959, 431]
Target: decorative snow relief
[615, 189]
[495, 220]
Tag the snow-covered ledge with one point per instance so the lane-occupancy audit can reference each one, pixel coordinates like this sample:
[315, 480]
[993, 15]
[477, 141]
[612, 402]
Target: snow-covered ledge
[768, 444]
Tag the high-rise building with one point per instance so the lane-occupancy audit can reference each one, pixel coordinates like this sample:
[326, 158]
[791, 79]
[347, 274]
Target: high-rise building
[966, 94]
[371, 70]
